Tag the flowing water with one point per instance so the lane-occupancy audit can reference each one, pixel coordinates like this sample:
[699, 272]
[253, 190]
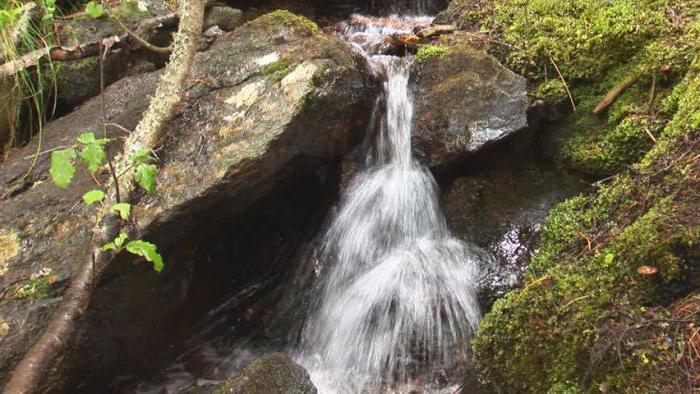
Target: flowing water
[397, 296]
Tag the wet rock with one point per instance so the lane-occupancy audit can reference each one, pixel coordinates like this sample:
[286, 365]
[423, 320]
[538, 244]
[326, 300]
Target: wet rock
[276, 373]
[465, 14]
[43, 230]
[499, 204]
[7, 117]
[274, 98]
[226, 18]
[464, 100]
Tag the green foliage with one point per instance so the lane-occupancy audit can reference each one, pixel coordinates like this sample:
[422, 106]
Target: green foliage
[427, 52]
[93, 196]
[117, 244]
[62, 169]
[145, 172]
[93, 156]
[148, 251]
[94, 11]
[145, 176]
[123, 209]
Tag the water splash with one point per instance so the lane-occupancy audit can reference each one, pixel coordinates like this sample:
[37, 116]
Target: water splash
[398, 291]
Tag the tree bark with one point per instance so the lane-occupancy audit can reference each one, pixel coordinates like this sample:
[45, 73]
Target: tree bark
[37, 363]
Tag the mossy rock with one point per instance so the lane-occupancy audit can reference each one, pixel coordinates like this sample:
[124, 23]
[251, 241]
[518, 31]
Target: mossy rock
[615, 277]
[275, 373]
[464, 100]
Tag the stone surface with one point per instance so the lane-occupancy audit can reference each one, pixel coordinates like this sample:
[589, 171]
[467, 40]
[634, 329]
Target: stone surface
[226, 18]
[275, 373]
[464, 100]
[274, 98]
[499, 203]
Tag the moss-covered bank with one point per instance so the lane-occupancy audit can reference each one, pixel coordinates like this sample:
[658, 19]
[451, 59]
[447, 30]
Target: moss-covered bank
[611, 301]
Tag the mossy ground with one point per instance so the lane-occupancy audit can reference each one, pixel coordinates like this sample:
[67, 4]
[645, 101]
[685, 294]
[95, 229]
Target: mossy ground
[586, 319]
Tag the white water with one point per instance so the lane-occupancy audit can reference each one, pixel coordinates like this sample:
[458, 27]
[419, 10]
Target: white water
[397, 300]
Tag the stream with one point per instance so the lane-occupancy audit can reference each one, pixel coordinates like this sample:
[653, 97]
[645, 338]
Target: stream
[396, 289]
[380, 291]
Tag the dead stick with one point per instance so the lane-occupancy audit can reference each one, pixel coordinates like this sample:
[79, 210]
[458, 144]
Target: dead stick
[145, 44]
[566, 86]
[616, 91]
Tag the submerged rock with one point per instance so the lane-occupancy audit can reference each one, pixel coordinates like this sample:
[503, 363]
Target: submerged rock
[273, 99]
[464, 100]
[276, 373]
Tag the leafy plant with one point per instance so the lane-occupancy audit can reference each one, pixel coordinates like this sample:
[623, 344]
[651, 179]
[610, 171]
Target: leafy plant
[94, 10]
[90, 151]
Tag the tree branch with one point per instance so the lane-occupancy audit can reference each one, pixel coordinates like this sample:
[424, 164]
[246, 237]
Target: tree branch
[34, 367]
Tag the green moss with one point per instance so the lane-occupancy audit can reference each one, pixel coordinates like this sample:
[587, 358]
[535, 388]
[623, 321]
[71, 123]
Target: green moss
[552, 91]
[86, 64]
[586, 318]
[427, 52]
[280, 68]
[603, 151]
[290, 20]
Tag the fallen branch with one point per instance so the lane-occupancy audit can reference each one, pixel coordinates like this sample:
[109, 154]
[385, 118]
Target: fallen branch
[435, 30]
[32, 370]
[141, 41]
[616, 91]
[91, 49]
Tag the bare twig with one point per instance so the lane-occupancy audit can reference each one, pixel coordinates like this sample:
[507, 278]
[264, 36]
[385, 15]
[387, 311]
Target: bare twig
[566, 86]
[145, 44]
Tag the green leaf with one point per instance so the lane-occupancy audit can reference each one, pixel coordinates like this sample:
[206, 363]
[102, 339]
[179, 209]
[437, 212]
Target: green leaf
[123, 209]
[117, 244]
[93, 196]
[147, 250]
[142, 155]
[119, 241]
[609, 258]
[94, 11]
[109, 246]
[146, 176]
[93, 156]
[62, 169]
[89, 138]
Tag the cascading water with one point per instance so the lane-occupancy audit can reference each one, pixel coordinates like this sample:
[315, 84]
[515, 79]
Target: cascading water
[397, 294]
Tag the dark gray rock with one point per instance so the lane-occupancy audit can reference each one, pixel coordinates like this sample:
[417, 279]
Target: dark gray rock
[464, 100]
[275, 97]
[226, 18]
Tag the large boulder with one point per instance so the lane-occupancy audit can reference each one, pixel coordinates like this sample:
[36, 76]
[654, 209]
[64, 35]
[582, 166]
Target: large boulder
[274, 98]
[275, 373]
[464, 100]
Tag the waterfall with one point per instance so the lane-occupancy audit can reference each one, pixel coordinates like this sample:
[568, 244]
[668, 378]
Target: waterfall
[397, 291]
